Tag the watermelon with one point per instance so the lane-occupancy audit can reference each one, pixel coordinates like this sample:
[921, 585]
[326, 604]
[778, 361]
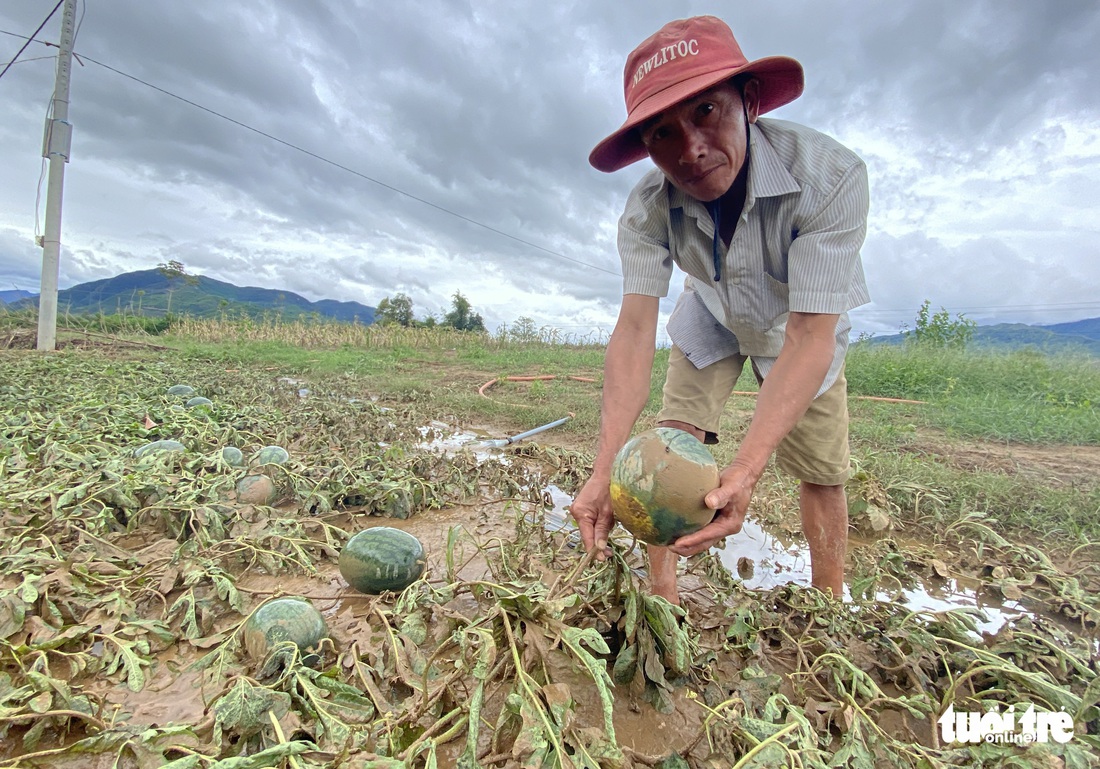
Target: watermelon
[157, 446]
[272, 455]
[382, 558]
[658, 482]
[199, 401]
[283, 619]
[181, 390]
[232, 456]
[255, 490]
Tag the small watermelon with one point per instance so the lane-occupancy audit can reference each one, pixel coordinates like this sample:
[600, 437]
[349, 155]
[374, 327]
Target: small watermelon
[658, 482]
[283, 619]
[255, 490]
[157, 446]
[181, 390]
[382, 558]
[233, 456]
[272, 455]
[199, 401]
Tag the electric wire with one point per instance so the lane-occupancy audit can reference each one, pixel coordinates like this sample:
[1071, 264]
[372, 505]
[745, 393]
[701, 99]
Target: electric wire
[342, 167]
[34, 58]
[31, 38]
[352, 171]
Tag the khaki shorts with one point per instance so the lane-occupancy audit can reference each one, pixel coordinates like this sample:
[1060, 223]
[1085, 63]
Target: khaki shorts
[816, 450]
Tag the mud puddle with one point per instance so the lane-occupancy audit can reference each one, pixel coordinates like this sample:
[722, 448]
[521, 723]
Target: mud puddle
[441, 438]
[763, 561]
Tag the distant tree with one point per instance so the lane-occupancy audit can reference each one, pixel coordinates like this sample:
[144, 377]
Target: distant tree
[462, 316]
[939, 330]
[175, 272]
[172, 269]
[397, 310]
[523, 330]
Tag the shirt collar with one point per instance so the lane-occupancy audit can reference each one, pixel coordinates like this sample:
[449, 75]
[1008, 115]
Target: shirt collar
[768, 176]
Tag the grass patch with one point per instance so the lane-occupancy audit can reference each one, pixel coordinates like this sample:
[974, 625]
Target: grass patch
[1017, 396]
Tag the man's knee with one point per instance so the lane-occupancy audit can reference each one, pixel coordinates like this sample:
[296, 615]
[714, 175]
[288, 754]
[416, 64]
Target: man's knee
[827, 493]
[686, 427]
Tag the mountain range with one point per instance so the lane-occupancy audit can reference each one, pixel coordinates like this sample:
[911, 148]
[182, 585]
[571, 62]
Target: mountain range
[10, 296]
[1079, 336]
[156, 292]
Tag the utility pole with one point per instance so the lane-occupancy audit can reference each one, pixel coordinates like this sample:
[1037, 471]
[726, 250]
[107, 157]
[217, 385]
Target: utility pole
[55, 148]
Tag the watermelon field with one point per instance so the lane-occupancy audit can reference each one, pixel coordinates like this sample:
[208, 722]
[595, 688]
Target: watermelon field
[132, 573]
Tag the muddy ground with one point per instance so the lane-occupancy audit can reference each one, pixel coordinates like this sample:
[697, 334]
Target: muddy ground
[126, 583]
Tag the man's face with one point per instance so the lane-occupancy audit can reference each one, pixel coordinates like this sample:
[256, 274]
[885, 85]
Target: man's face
[700, 143]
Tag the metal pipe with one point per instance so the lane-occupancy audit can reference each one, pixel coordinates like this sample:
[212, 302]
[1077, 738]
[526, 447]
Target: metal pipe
[502, 442]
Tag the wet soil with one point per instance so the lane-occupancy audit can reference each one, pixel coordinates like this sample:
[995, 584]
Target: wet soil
[1071, 466]
[762, 561]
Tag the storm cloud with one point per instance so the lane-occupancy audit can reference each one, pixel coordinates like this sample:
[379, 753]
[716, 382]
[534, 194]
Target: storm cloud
[350, 151]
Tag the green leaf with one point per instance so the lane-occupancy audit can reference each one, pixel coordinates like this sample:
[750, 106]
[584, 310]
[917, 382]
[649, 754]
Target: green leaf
[243, 709]
[757, 687]
[853, 750]
[28, 591]
[742, 630]
[626, 665]
[576, 639]
[34, 734]
[337, 706]
[468, 759]
[479, 642]
[12, 615]
[453, 534]
[267, 758]
[71, 633]
[532, 746]
[128, 659]
[413, 627]
[1088, 699]
[631, 614]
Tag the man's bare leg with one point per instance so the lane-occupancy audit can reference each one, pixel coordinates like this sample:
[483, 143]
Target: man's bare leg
[662, 561]
[825, 524]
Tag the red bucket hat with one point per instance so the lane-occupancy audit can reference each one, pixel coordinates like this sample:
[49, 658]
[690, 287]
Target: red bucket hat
[682, 59]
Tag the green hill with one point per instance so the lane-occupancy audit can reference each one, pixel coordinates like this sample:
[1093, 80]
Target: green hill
[154, 294]
[1090, 327]
[1081, 337]
[7, 297]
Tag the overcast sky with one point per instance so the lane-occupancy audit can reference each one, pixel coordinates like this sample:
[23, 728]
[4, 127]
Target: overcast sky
[466, 127]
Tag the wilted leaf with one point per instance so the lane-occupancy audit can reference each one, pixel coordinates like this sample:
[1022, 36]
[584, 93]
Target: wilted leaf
[413, 627]
[12, 614]
[243, 709]
[626, 665]
[265, 759]
[879, 518]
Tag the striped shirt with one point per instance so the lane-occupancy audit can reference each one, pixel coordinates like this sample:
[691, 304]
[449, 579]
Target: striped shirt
[795, 248]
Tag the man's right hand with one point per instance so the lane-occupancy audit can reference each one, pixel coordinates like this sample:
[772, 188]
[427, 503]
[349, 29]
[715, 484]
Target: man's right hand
[592, 510]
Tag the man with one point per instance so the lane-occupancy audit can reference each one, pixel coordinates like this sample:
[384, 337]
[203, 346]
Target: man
[766, 218]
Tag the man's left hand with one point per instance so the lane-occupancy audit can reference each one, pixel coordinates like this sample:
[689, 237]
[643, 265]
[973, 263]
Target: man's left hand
[731, 500]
